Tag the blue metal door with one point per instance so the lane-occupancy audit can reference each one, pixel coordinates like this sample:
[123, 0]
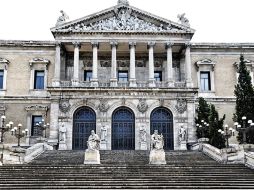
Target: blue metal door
[84, 121]
[123, 129]
[162, 120]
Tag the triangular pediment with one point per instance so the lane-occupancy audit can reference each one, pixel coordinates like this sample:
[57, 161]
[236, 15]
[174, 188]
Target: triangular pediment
[122, 18]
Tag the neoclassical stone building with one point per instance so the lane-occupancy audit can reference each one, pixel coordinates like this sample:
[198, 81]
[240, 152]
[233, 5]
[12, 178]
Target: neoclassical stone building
[122, 72]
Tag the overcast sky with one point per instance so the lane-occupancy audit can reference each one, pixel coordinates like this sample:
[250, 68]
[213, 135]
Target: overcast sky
[213, 20]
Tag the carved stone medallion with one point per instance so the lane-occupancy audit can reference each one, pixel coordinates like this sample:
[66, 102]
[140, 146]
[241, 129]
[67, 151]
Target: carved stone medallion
[142, 106]
[64, 105]
[103, 106]
[181, 105]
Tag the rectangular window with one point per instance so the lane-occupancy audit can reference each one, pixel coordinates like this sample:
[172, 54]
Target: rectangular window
[1, 79]
[123, 76]
[88, 75]
[39, 80]
[158, 76]
[205, 82]
[36, 131]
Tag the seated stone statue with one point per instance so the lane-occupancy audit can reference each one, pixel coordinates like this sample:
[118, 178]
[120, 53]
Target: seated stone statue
[93, 142]
[157, 141]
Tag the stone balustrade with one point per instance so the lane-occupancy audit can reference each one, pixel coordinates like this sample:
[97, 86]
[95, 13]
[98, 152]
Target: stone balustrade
[249, 159]
[140, 84]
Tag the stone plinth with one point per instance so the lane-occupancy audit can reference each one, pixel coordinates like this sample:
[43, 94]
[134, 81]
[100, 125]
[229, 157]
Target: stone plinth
[41, 140]
[157, 157]
[103, 145]
[183, 145]
[92, 157]
[143, 146]
[62, 145]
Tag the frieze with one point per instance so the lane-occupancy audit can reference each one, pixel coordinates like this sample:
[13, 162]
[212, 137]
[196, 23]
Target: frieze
[64, 105]
[36, 108]
[142, 105]
[103, 106]
[181, 105]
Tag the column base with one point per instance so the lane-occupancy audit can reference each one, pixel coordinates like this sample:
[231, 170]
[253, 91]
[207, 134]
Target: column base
[75, 82]
[170, 83]
[113, 82]
[189, 84]
[55, 83]
[152, 83]
[94, 83]
[133, 83]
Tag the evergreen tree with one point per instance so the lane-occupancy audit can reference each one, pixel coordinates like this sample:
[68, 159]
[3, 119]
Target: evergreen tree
[244, 99]
[202, 114]
[215, 138]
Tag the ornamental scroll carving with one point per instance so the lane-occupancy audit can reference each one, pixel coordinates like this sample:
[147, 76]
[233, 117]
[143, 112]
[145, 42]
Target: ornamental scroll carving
[103, 106]
[64, 105]
[142, 106]
[181, 105]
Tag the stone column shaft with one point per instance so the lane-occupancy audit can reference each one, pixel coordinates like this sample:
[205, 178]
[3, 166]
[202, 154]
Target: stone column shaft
[169, 66]
[188, 66]
[56, 80]
[113, 80]
[132, 80]
[76, 63]
[151, 64]
[94, 81]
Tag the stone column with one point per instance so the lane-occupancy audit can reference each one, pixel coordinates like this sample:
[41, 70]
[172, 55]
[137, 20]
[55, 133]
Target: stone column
[189, 83]
[75, 81]
[169, 66]
[94, 81]
[151, 64]
[113, 80]
[54, 126]
[56, 79]
[132, 46]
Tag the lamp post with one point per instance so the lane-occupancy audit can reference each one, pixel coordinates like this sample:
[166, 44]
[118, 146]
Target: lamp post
[16, 131]
[43, 126]
[202, 126]
[227, 133]
[244, 128]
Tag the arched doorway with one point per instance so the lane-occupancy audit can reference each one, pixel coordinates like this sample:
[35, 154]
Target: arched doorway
[162, 120]
[84, 120]
[123, 129]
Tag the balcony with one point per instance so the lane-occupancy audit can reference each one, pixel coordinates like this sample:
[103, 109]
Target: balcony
[140, 85]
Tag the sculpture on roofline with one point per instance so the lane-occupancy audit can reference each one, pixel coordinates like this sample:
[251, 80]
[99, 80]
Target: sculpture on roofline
[125, 2]
[61, 19]
[183, 20]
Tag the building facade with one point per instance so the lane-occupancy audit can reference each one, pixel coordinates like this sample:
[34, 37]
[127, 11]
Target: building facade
[122, 72]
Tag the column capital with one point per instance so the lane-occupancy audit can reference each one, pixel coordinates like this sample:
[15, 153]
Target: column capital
[76, 44]
[132, 44]
[58, 43]
[95, 44]
[150, 44]
[169, 45]
[113, 44]
[187, 44]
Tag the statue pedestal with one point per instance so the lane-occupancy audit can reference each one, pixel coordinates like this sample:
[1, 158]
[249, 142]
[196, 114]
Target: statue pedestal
[62, 145]
[103, 145]
[183, 145]
[143, 146]
[92, 157]
[157, 157]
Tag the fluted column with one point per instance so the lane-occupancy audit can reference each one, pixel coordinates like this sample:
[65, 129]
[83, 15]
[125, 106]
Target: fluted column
[94, 80]
[151, 64]
[113, 80]
[188, 65]
[56, 79]
[75, 81]
[132, 46]
[169, 66]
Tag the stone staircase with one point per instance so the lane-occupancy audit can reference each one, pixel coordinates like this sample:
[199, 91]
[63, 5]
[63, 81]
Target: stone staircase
[125, 170]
